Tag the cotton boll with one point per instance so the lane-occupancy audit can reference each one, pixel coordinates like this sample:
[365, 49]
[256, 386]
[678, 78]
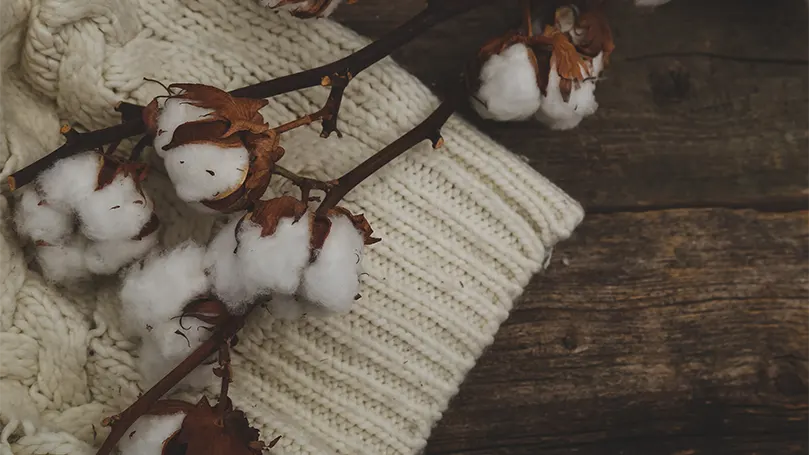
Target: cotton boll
[158, 290]
[153, 366]
[70, 179]
[508, 89]
[36, 219]
[174, 113]
[117, 211]
[148, 434]
[558, 114]
[64, 263]
[109, 256]
[204, 171]
[274, 263]
[332, 281]
[224, 272]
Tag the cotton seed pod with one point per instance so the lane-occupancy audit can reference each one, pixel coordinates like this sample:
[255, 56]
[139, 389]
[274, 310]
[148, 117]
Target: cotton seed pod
[209, 430]
[224, 159]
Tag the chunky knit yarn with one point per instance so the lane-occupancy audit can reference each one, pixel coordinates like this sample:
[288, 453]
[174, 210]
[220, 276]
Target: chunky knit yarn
[463, 227]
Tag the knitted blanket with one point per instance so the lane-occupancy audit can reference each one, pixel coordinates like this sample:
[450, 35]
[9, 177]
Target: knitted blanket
[463, 228]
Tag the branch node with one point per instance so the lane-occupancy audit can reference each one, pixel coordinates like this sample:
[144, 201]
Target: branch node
[436, 139]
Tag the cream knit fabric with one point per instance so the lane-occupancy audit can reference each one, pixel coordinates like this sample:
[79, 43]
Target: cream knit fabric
[463, 230]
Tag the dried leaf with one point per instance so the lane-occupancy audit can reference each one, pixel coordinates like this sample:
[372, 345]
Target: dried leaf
[214, 431]
[264, 152]
[210, 311]
[597, 35]
[360, 223]
[203, 132]
[267, 213]
[569, 63]
[149, 116]
[241, 114]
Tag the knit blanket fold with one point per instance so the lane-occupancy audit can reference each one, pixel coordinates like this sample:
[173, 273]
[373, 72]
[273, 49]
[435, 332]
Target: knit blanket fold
[463, 228]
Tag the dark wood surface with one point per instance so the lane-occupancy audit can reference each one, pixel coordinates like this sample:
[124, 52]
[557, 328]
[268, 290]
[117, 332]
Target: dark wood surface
[675, 321]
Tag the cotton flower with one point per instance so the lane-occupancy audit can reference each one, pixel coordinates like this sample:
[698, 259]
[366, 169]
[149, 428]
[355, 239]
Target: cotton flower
[157, 291]
[225, 272]
[508, 85]
[206, 171]
[558, 114]
[148, 434]
[66, 262]
[40, 221]
[305, 8]
[70, 180]
[274, 263]
[173, 113]
[119, 210]
[109, 256]
[332, 280]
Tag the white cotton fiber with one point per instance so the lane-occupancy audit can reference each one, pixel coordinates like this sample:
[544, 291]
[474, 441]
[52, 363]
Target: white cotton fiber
[177, 338]
[558, 114]
[158, 290]
[117, 211]
[508, 86]
[222, 266]
[36, 219]
[148, 434]
[153, 366]
[70, 180]
[204, 171]
[64, 263]
[332, 281]
[274, 263]
[173, 113]
[292, 307]
[109, 256]
[302, 6]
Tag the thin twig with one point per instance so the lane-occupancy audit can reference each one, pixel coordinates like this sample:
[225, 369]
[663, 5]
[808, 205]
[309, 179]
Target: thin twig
[428, 129]
[226, 374]
[436, 12]
[526, 15]
[139, 147]
[305, 184]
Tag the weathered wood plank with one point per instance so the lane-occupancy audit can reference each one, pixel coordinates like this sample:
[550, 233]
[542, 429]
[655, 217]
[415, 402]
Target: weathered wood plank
[671, 131]
[666, 332]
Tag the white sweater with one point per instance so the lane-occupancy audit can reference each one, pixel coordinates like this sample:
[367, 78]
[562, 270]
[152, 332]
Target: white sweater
[463, 228]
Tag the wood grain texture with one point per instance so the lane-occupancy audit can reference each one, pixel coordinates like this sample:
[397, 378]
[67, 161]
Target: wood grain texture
[675, 321]
[669, 330]
[671, 131]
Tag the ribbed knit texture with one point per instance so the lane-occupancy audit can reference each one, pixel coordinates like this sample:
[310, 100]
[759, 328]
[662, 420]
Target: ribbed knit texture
[463, 230]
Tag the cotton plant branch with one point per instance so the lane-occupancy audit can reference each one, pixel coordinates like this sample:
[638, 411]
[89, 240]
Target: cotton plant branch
[331, 74]
[120, 423]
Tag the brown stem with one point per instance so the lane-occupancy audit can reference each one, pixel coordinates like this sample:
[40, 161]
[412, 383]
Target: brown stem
[304, 183]
[137, 150]
[436, 12]
[227, 374]
[80, 142]
[428, 129]
[122, 422]
[526, 15]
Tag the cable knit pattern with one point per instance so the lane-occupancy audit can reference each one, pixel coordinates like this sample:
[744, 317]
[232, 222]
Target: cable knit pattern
[463, 230]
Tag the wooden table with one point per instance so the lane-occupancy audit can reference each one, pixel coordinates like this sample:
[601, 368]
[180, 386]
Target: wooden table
[675, 319]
